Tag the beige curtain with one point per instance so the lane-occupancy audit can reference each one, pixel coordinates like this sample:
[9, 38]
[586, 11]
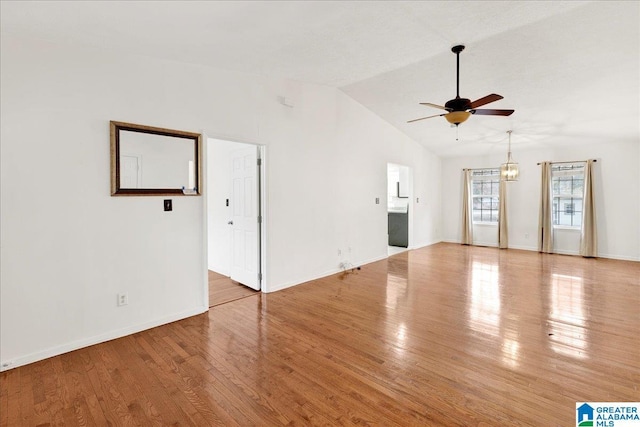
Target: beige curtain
[467, 222]
[545, 224]
[503, 234]
[589, 238]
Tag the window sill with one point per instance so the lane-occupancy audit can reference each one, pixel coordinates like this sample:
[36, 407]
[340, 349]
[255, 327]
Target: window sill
[486, 224]
[566, 227]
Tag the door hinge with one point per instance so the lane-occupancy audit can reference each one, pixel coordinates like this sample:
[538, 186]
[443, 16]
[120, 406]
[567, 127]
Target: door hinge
[259, 162]
[259, 277]
[259, 219]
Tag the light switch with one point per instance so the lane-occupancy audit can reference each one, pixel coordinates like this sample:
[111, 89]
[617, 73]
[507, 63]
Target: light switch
[168, 205]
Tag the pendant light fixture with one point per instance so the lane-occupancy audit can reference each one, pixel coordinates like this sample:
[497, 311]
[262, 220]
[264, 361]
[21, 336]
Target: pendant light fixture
[509, 171]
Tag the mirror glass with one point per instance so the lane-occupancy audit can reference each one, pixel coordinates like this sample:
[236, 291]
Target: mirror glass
[148, 161]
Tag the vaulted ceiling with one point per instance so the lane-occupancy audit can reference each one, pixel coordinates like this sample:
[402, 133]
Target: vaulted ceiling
[570, 69]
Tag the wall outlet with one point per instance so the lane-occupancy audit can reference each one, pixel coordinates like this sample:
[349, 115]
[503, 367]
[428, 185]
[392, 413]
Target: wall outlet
[123, 299]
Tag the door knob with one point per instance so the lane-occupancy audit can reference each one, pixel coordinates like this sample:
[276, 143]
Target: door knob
[230, 223]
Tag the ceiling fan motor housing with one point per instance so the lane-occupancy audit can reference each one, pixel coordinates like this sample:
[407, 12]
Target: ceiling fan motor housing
[458, 104]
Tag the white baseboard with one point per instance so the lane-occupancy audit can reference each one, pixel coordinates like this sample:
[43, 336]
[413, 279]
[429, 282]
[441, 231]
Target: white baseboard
[620, 257]
[320, 276]
[561, 252]
[107, 336]
[338, 270]
[424, 245]
[575, 253]
[524, 248]
[486, 244]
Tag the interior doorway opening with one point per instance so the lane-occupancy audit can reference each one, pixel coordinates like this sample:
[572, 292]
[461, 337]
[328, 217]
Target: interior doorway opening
[399, 196]
[235, 206]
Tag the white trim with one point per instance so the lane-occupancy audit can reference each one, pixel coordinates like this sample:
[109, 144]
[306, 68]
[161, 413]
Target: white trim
[423, 245]
[485, 244]
[450, 241]
[264, 285]
[322, 275]
[567, 228]
[620, 257]
[567, 196]
[524, 248]
[204, 193]
[565, 252]
[535, 249]
[495, 177]
[98, 339]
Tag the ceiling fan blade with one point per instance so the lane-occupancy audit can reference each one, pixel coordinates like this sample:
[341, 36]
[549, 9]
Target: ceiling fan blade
[435, 106]
[428, 117]
[486, 100]
[489, 112]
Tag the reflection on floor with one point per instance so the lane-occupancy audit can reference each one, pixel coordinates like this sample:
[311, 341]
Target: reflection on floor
[392, 250]
[222, 289]
[444, 335]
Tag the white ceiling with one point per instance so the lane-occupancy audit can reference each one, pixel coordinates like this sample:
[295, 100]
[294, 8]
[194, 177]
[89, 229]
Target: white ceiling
[570, 69]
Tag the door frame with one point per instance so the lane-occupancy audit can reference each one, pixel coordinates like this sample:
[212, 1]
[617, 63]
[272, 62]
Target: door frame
[410, 200]
[262, 206]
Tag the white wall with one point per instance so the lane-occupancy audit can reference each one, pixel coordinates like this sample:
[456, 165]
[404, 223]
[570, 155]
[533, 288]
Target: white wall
[327, 164]
[68, 248]
[616, 190]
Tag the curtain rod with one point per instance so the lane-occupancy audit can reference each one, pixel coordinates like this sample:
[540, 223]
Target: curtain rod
[576, 161]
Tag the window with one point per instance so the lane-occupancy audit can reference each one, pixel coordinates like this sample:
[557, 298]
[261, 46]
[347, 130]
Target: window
[485, 191]
[568, 208]
[567, 182]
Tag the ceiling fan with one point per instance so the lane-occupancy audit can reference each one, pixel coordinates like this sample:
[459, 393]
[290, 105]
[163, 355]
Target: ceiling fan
[460, 109]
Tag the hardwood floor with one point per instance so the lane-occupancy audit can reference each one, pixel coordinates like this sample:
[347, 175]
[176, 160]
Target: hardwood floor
[223, 290]
[447, 335]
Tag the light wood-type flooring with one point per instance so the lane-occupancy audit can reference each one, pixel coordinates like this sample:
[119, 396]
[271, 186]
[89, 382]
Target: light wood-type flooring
[446, 335]
[223, 290]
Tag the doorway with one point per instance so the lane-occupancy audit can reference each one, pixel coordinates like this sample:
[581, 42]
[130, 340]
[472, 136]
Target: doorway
[234, 219]
[399, 190]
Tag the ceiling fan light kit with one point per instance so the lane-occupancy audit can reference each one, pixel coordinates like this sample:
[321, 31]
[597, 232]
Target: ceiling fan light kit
[457, 117]
[460, 109]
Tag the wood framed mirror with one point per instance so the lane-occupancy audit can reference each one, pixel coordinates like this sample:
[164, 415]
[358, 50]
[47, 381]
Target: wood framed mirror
[152, 161]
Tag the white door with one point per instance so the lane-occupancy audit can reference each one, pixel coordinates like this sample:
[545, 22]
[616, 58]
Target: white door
[245, 235]
[130, 171]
